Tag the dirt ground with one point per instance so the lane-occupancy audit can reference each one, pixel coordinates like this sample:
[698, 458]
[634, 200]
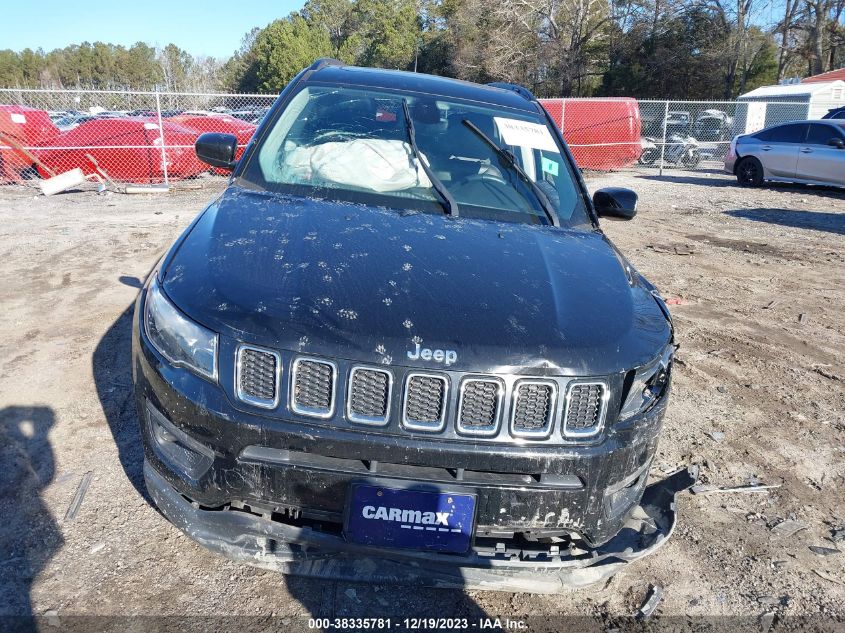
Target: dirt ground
[757, 279]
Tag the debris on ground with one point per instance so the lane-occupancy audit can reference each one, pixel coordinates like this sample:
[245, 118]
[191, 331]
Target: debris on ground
[716, 436]
[655, 595]
[73, 508]
[787, 528]
[709, 489]
[824, 551]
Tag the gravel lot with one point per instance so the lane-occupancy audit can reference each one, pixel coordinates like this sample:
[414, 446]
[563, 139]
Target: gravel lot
[756, 277]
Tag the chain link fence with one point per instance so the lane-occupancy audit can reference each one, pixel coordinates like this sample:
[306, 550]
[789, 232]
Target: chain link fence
[148, 137]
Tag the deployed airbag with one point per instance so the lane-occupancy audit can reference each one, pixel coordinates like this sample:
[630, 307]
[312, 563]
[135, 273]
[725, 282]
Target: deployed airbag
[375, 164]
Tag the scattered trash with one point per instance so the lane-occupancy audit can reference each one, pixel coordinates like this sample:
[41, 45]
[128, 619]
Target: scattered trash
[771, 304]
[716, 436]
[102, 172]
[73, 508]
[62, 182]
[787, 528]
[96, 548]
[676, 301]
[766, 621]
[802, 318]
[826, 576]
[837, 535]
[824, 551]
[709, 489]
[654, 598]
[684, 250]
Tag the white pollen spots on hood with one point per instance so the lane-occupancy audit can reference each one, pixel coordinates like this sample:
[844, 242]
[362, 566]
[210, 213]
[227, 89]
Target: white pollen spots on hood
[345, 313]
[386, 360]
[380, 349]
[416, 340]
[408, 323]
[407, 266]
[407, 247]
[387, 301]
[440, 237]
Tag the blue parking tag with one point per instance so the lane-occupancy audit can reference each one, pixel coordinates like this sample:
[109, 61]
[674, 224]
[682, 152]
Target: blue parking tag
[418, 517]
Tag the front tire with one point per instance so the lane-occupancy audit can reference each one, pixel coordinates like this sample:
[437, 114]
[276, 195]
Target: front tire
[749, 172]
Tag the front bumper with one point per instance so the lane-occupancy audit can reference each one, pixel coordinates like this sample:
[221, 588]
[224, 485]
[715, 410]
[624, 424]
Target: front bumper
[303, 551]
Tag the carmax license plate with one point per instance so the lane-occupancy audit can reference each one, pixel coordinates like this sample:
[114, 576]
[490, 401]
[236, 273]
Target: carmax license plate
[409, 518]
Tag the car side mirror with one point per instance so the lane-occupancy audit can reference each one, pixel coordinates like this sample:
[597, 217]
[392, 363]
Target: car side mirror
[615, 202]
[838, 143]
[218, 150]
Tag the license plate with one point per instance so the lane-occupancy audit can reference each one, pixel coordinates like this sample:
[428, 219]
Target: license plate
[414, 517]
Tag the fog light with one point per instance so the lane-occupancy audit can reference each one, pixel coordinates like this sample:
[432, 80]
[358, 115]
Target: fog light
[187, 457]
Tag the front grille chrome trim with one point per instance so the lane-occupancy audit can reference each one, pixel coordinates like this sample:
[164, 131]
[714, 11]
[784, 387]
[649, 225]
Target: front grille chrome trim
[322, 414]
[365, 419]
[485, 431]
[417, 425]
[264, 403]
[534, 434]
[591, 431]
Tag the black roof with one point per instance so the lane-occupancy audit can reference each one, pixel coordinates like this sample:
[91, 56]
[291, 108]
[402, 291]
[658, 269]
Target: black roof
[331, 72]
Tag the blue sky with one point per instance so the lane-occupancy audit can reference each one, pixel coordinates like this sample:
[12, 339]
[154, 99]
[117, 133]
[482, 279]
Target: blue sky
[213, 27]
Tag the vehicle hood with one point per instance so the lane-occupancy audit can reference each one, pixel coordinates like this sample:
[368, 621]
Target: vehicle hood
[369, 284]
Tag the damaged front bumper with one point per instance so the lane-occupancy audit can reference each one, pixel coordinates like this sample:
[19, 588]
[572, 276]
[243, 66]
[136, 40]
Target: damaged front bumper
[301, 550]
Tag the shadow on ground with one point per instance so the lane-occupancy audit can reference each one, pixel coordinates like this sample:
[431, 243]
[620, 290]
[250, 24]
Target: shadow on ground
[814, 220]
[721, 179]
[112, 367]
[29, 535]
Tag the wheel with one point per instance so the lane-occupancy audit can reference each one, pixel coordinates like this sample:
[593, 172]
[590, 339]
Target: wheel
[691, 159]
[749, 172]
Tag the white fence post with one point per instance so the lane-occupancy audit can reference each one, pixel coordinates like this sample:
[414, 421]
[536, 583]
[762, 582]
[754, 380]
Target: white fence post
[663, 144]
[161, 137]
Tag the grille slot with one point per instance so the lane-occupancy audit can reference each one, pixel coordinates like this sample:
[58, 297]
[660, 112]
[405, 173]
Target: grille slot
[424, 407]
[533, 408]
[480, 407]
[313, 387]
[257, 377]
[585, 408]
[368, 401]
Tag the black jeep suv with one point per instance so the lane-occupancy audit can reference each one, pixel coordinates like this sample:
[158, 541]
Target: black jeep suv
[398, 346]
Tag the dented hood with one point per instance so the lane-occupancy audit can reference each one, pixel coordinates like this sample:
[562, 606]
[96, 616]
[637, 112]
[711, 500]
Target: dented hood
[350, 281]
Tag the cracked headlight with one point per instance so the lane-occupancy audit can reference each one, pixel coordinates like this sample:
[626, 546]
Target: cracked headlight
[650, 383]
[181, 341]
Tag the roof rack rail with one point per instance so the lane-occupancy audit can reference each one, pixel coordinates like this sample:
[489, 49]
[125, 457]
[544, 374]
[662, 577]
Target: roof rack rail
[522, 91]
[325, 61]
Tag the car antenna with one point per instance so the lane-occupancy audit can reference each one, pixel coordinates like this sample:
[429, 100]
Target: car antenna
[450, 205]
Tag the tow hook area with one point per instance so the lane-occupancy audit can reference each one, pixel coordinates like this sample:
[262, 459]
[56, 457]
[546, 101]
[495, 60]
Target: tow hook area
[295, 549]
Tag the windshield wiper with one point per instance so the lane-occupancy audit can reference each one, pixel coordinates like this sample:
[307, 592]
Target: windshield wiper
[508, 157]
[450, 205]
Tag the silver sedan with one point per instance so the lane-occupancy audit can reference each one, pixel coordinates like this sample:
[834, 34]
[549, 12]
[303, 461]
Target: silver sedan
[811, 152]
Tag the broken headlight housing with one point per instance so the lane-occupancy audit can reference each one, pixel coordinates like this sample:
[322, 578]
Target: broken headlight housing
[181, 341]
[649, 385]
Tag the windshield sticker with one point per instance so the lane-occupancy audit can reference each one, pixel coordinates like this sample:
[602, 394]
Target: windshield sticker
[526, 134]
[549, 166]
[18, 118]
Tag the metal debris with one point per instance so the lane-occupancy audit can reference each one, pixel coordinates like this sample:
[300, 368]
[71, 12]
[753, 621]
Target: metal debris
[826, 576]
[787, 528]
[824, 551]
[73, 508]
[716, 436]
[654, 597]
[802, 318]
[709, 489]
[766, 621]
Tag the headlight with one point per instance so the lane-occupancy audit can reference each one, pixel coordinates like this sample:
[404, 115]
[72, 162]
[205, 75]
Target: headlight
[181, 341]
[649, 384]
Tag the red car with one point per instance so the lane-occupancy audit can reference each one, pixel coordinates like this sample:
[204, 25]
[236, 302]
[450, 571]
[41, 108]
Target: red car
[21, 129]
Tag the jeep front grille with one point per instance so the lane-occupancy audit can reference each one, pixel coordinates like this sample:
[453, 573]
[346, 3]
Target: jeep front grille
[368, 401]
[313, 387]
[585, 407]
[258, 376]
[425, 402]
[479, 407]
[534, 408]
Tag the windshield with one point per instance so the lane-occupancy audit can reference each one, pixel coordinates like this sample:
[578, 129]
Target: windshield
[353, 145]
